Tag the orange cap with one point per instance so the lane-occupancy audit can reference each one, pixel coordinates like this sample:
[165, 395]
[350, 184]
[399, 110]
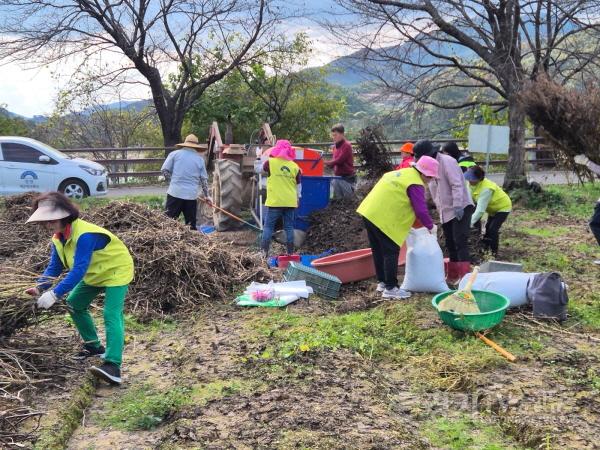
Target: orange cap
[407, 148]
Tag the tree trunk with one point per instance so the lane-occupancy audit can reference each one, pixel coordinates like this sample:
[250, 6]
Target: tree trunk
[228, 133]
[515, 170]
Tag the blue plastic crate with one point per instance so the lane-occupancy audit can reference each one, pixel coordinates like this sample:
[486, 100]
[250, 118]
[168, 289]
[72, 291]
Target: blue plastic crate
[315, 195]
[321, 282]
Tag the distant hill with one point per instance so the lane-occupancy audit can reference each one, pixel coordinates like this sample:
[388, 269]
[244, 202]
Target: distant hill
[348, 71]
[135, 105]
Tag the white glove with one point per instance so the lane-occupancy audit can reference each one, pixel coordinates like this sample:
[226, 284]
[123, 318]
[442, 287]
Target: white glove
[582, 160]
[433, 231]
[46, 300]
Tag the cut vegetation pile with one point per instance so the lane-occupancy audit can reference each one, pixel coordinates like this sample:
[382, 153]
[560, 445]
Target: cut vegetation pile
[176, 269]
[28, 365]
[374, 155]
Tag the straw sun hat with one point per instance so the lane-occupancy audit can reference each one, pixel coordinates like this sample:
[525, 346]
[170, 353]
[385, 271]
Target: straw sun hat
[191, 141]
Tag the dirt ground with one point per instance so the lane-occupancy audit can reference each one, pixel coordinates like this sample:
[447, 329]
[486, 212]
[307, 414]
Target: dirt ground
[226, 378]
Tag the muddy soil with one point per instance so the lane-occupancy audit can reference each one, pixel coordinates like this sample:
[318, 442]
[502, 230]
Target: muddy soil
[332, 400]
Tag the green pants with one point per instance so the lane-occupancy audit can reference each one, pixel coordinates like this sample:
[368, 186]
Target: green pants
[79, 301]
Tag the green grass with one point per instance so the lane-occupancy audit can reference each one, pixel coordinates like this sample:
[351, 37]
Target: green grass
[574, 200]
[466, 433]
[155, 325]
[201, 394]
[452, 360]
[152, 201]
[578, 200]
[143, 407]
[546, 232]
[586, 309]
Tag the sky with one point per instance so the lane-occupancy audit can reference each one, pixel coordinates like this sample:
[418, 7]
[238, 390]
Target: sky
[32, 91]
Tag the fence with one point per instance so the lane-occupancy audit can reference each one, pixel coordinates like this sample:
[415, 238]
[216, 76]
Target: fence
[143, 163]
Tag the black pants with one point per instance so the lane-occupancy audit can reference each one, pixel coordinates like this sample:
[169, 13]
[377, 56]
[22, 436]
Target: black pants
[385, 255]
[491, 238]
[189, 208]
[456, 233]
[595, 223]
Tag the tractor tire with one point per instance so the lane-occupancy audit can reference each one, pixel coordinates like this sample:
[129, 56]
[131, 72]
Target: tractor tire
[227, 193]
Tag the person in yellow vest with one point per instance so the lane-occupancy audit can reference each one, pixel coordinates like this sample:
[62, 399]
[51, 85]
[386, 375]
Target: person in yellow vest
[389, 211]
[283, 189]
[490, 199]
[97, 262]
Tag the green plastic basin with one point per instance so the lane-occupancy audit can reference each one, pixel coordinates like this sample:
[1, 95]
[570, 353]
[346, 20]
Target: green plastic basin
[492, 305]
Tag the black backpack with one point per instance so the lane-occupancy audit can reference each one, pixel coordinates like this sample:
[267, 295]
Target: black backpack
[548, 295]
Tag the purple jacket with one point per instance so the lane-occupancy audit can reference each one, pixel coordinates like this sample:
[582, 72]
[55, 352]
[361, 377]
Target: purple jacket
[450, 190]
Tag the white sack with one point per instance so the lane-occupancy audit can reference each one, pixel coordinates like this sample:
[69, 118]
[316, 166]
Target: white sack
[513, 285]
[424, 263]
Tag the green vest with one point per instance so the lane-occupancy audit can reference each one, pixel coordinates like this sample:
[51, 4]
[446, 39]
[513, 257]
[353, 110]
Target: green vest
[388, 206]
[110, 266]
[500, 201]
[281, 184]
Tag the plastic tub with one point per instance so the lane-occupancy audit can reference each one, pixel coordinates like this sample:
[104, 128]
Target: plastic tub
[284, 260]
[492, 305]
[315, 195]
[352, 266]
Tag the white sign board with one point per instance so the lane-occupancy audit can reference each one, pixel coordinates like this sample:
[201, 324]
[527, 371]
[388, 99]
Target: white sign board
[488, 139]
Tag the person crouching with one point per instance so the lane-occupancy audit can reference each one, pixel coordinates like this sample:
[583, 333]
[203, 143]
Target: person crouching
[97, 262]
[389, 212]
[490, 199]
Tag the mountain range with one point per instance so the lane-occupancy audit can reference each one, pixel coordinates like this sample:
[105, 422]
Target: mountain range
[346, 72]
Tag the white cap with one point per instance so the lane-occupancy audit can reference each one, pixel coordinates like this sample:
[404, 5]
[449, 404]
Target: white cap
[48, 211]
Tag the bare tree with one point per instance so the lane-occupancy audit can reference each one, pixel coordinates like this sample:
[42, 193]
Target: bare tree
[483, 52]
[180, 47]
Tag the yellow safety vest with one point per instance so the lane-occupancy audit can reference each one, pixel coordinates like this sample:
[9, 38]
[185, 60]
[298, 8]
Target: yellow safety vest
[388, 206]
[281, 184]
[110, 266]
[500, 201]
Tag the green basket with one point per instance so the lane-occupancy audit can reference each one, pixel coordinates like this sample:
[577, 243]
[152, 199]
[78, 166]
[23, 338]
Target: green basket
[492, 305]
[321, 282]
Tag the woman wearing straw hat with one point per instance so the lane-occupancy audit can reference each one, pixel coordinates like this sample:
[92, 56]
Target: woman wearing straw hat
[186, 171]
[97, 262]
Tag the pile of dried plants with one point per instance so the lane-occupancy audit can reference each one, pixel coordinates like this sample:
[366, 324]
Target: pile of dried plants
[374, 155]
[568, 117]
[28, 364]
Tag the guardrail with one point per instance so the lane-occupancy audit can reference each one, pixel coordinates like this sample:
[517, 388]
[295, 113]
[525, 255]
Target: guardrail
[145, 162]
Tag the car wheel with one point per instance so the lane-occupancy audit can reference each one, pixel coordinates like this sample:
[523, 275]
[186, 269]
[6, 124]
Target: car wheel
[74, 189]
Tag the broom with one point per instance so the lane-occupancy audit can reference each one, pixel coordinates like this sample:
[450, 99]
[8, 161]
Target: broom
[462, 302]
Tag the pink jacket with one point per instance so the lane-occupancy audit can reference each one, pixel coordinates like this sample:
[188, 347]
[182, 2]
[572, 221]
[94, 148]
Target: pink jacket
[450, 190]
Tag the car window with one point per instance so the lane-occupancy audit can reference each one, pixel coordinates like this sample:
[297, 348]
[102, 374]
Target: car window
[14, 152]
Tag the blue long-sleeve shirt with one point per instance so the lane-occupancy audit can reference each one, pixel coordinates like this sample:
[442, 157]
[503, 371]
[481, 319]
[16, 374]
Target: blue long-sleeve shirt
[87, 244]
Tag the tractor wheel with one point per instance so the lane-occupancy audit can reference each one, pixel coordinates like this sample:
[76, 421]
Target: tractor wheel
[227, 193]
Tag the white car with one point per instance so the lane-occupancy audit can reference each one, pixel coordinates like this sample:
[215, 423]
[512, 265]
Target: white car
[30, 165]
